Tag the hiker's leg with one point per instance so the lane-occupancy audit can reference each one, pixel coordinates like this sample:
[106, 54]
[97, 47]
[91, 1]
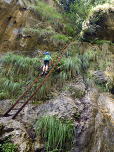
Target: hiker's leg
[47, 64]
[46, 67]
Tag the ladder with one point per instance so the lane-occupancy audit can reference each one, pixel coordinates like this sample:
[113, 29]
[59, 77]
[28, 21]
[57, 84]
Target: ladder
[33, 85]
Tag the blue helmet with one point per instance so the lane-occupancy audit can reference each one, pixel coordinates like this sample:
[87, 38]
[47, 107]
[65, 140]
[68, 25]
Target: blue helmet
[47, 53]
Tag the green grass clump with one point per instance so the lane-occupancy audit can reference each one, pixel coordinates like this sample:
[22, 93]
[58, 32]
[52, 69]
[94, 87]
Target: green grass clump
[38, 31]
[103, 41]
[57, 134]
[62, 38]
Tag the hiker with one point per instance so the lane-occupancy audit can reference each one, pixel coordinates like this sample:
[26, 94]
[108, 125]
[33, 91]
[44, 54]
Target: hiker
[47, 57]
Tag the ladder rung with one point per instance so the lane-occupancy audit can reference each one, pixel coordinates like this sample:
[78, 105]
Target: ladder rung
[20, 102]
[14, 109]
[29, 91]
[36, 82]
[27, 96]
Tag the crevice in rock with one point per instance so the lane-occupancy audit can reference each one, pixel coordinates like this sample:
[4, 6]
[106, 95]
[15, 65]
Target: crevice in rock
[9, 18]
[112, 90]
[14, 22]
[21, 9]
[10, 129]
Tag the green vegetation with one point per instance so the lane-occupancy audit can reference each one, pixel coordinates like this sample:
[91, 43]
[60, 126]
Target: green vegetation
[45, 11]
[47, 14]
[102, 42]
[56, 133]
[17, 72]
[38, 31]
[8, 146]
[60, 37]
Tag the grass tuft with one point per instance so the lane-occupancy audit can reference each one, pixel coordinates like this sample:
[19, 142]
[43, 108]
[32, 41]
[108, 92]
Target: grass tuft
[56, 133]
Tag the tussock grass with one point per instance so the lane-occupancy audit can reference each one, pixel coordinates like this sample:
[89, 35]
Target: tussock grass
[62, 38]
[39, 31]
[17, 71]
[57, 134]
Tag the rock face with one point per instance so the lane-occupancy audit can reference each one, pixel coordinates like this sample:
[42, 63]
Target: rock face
[95, 129]
[21, 27]
[9, 127]
[100, 24]
[77, 89]
[93, 116]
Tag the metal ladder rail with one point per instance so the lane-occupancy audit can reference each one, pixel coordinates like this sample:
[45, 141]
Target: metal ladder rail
[63, 49]
[41, 82]
[21, 96]
[30, 87]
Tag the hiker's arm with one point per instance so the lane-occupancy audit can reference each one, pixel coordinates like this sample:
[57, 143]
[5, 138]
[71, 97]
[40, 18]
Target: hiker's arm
[51, 58]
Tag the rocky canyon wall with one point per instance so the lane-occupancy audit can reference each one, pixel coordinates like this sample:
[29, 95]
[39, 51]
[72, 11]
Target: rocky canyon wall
[21, 27]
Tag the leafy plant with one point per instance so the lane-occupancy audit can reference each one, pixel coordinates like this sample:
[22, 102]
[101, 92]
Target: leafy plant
[57, 134]
[8, 146]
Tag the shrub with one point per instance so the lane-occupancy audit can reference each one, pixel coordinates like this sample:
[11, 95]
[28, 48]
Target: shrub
[61, 38]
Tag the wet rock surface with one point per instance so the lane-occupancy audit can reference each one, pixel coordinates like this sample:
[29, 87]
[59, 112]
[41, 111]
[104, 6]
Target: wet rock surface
[93, 116]
[96, 127]
[104, 124]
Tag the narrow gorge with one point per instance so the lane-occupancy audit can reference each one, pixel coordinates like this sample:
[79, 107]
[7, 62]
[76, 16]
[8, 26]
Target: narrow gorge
[80, 90]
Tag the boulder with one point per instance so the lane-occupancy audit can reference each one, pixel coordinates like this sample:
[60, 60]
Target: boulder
[100, 24]
[15, 130]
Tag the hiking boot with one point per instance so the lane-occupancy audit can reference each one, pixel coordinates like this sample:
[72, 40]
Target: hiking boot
[42, 73]
[45, 72]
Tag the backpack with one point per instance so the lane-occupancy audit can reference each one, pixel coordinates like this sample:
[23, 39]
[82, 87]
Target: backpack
[46, 57]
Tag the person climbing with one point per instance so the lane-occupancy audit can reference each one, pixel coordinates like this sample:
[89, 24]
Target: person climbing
[47, 57]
